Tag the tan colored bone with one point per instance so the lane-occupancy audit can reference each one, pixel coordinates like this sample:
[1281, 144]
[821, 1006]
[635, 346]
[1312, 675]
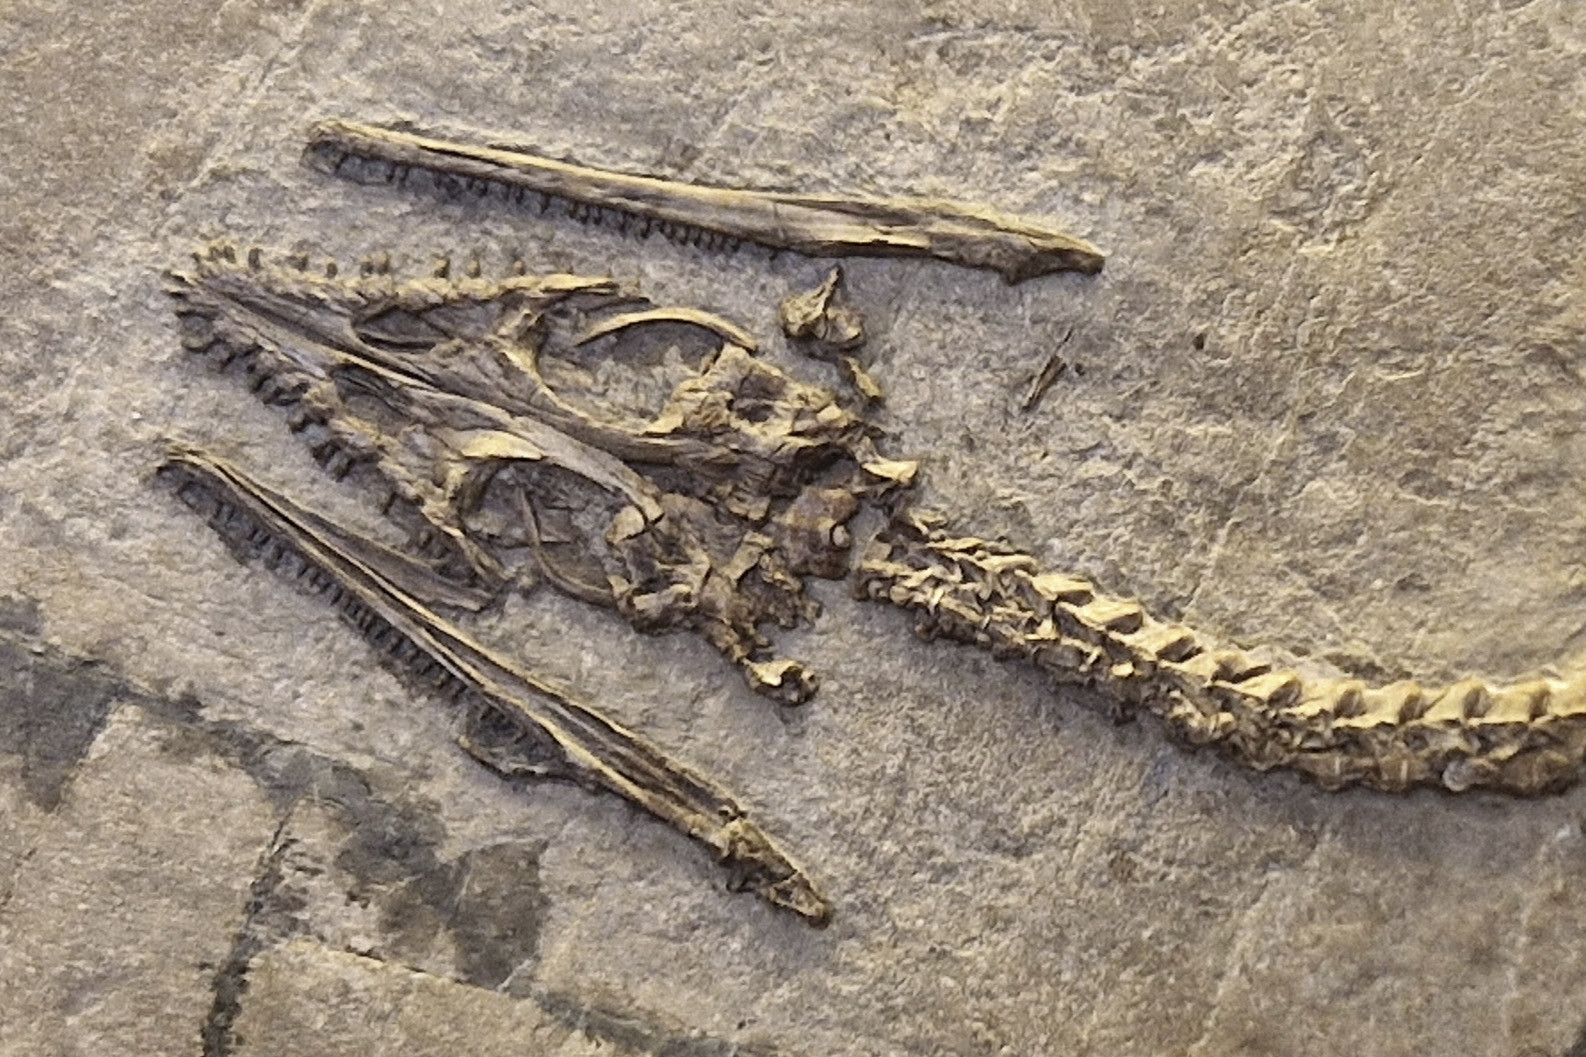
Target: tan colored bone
[435, 384]
[814, 225]
[1526, 738]
[724, 329]
[565, 738]
[823, 317]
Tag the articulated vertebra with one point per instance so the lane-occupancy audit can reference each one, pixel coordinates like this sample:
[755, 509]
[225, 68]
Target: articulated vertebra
[1526, 738]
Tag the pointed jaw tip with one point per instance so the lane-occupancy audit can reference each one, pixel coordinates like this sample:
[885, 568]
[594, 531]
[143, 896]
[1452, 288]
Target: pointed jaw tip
[797, 894]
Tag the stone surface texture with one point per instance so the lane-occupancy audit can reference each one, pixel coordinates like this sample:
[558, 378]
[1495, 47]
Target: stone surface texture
[1327, 395]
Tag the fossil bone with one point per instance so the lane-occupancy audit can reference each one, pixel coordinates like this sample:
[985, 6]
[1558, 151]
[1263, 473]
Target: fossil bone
[1047, 376]
[435, 384]
[1044, 379]
[814, 225]
[1526, 738]
[822, 323]
[822, 316]
[723, 329]
[548, 734]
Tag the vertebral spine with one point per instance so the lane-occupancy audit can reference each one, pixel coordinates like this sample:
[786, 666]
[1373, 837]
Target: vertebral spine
[1526, 738]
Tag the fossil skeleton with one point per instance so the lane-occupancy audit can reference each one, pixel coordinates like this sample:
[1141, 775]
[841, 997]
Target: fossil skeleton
[519, 725]
[705, 516]
[1526, 738]
[814, 225]
[709, 513]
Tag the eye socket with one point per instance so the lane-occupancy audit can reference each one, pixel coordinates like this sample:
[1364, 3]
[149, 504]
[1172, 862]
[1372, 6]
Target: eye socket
[756, 397]
[755, 411]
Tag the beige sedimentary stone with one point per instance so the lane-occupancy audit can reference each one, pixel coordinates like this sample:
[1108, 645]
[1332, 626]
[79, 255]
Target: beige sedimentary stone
[129, 898]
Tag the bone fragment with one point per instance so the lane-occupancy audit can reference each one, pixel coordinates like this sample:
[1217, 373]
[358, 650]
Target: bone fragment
[814, 225]
[724, 329]
[823, 317]
[566, 738]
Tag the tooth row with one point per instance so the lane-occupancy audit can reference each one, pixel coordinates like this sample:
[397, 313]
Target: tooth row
[377, 171]
[1525, 738]
[374, 277]
[278, 383]
[282, 557]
